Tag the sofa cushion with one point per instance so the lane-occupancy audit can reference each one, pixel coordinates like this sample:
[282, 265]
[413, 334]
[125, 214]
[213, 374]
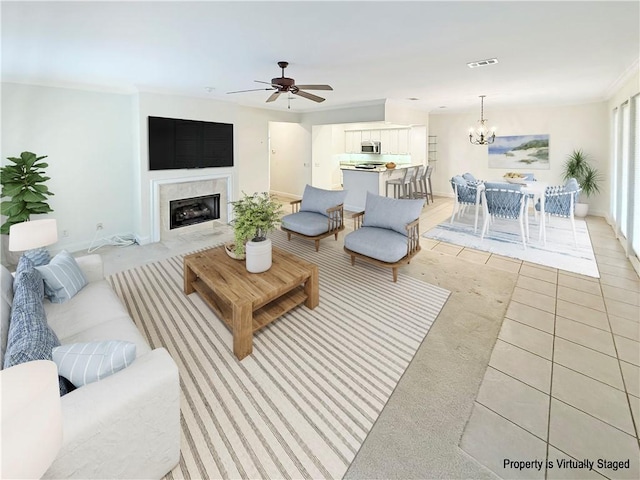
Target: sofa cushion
[83, 363]
[95, 304]
[121, 328]
[306, 223]
[6, 298]
[319, 200]
[379, 243]
[390, 213]
[62, 278]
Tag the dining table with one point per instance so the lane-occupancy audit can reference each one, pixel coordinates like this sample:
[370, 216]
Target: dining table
[533, 188]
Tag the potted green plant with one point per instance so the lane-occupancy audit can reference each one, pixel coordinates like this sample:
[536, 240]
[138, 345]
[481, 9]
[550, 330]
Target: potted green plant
[24, 184]
[255, 216]
[577, 166]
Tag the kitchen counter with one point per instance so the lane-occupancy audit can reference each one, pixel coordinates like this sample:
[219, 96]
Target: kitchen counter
[358, 181]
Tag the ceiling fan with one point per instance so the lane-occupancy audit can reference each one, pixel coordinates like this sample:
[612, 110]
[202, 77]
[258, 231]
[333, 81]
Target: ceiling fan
[288, 85]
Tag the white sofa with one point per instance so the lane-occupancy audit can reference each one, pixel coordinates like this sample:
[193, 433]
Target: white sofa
[128, 424]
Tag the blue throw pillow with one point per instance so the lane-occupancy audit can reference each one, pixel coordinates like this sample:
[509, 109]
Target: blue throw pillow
[62, 278]
[319, 200]
[390, 213]
[30, 337]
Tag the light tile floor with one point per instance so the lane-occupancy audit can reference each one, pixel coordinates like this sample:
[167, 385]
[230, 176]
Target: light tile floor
[563, 381]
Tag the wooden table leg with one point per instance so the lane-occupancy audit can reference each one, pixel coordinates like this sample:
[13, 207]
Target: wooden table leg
[242, 329]
[189, 278]
[312, 288]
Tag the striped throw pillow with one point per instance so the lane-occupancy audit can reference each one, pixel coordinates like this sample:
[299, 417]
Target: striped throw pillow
[62, 278]
[83, 363]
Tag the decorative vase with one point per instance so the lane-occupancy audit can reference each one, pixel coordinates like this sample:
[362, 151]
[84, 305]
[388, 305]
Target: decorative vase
[581, 209]
[258, 255]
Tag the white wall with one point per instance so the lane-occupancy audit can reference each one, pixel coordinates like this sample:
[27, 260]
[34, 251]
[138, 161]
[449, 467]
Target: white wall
[569, 127]
[290, 158]
[88, 138]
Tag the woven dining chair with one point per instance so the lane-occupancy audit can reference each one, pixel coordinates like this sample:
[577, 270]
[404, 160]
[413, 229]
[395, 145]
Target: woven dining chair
[465, 195]
[505, 201]
[560, 201]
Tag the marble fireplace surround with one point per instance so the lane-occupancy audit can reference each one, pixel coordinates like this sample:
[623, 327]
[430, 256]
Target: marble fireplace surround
[165, 190]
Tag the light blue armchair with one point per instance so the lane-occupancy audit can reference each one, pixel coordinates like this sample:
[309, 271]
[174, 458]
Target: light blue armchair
[387, 233]
[317, 215]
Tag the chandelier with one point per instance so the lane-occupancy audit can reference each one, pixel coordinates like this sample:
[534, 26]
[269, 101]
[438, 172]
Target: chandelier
[483, 136]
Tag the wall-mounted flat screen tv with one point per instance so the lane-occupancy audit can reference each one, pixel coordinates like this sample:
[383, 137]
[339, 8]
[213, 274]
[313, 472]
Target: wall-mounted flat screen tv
[175, 143]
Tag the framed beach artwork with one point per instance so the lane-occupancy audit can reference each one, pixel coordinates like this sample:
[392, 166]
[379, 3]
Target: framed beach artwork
[520, 151]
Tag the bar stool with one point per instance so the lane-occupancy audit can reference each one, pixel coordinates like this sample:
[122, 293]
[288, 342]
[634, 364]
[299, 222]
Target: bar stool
[415, 180]
[426, 183]
[400, 184]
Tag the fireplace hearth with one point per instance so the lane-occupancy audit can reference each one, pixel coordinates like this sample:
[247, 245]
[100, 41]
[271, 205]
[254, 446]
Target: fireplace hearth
[190, 211]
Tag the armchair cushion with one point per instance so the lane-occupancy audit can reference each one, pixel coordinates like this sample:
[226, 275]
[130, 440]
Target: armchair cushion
[378, 243]
[319, 200]
[391, 213]
[306, 223]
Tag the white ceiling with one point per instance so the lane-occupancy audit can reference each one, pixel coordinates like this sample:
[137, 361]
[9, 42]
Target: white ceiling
[548, 52]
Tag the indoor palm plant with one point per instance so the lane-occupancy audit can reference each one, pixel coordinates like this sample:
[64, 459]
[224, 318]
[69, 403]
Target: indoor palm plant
[577, 166]
[24, 184]
[254, 216]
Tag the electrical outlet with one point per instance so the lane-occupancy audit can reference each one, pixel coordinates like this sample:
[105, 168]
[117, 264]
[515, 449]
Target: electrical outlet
[65, 233]
[99, 226]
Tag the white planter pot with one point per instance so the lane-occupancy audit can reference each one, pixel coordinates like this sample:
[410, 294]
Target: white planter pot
[258, 256]
[581, 209]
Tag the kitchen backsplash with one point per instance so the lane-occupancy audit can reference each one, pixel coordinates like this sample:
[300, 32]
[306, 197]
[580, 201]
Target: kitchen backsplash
[354, 158]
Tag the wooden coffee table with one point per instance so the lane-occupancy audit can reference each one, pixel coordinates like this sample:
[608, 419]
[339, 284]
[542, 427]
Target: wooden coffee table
[245, 301]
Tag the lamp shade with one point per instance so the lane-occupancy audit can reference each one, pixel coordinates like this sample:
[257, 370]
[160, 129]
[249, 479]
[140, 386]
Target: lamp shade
[30, 419]
[32, 234]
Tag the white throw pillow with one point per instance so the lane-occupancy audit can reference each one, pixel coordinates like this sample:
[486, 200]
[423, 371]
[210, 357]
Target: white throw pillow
[62, 278]
[83, 363]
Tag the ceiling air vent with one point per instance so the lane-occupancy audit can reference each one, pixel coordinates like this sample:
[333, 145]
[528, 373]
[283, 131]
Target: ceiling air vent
[482, 63]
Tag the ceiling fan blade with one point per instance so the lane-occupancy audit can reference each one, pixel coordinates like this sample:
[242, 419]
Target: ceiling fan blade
[252, 90]
[315, 87]
[310, 96]
[268, 83]
[273, 96]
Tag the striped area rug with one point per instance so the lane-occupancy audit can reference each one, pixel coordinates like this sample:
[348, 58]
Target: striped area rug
[302, 404]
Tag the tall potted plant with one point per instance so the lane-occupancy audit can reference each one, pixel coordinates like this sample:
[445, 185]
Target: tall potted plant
[24, 184]
[577, 166]
[255, 216]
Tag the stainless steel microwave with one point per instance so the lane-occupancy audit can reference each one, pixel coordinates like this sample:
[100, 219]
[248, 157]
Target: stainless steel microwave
[370, 147]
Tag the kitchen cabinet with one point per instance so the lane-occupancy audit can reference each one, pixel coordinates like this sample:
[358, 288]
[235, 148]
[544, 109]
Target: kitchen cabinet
[403, 142]
[394, 141]
[353, 141]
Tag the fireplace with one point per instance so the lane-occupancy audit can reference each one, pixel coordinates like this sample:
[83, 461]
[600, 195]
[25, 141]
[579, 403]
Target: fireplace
[167, 190]
[190, 211]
